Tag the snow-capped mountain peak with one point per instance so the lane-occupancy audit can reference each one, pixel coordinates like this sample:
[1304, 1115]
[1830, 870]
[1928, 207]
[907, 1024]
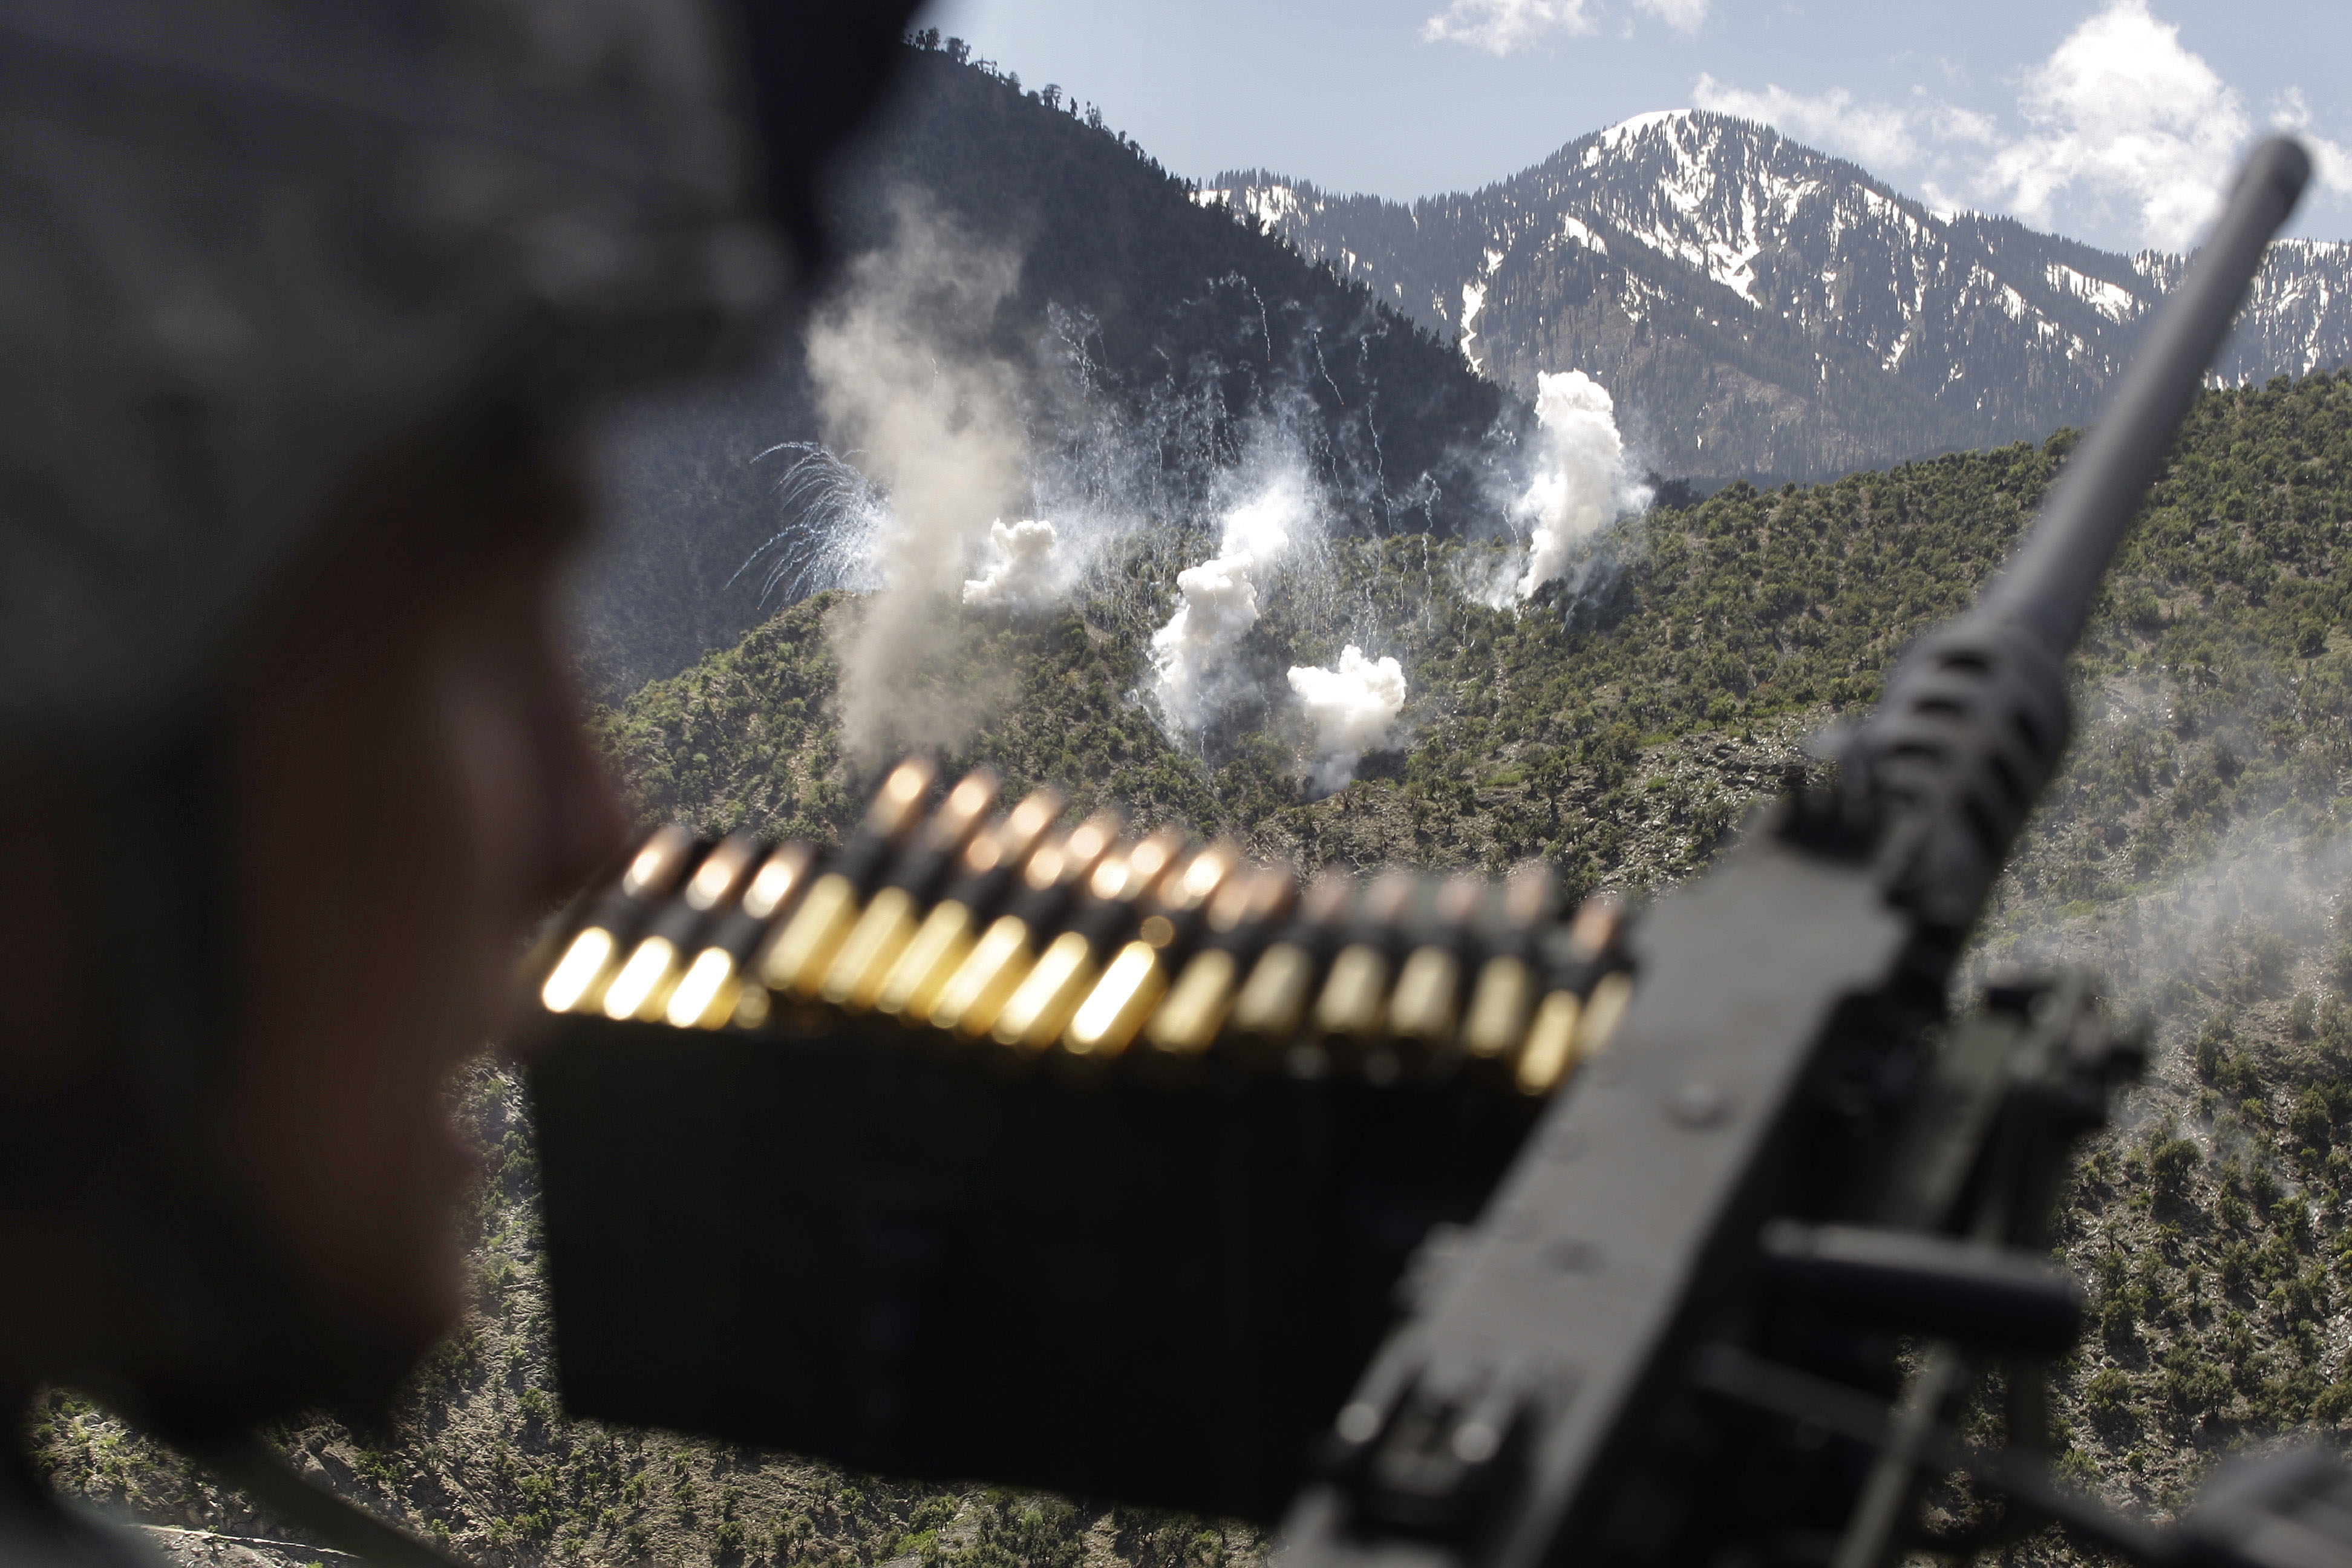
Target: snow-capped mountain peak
[1752, 300]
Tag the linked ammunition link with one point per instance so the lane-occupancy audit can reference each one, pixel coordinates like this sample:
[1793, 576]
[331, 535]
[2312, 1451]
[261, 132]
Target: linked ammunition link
[1014, 942]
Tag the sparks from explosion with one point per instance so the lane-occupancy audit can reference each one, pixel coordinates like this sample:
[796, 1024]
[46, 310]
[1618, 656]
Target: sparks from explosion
[835, 515]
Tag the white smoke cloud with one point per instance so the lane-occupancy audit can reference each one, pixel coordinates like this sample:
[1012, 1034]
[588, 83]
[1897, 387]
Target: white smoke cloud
[1031, 571]
[1582, 484]
[1217, 601]
[903, 386]
[1353, 709]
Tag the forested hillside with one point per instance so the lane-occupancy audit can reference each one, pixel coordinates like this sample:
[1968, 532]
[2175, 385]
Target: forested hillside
[2192, 851]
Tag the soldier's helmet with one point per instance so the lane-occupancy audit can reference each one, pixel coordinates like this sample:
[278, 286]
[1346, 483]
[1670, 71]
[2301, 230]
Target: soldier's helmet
[243, 244]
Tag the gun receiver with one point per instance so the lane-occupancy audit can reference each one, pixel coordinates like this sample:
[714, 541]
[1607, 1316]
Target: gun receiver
[1540, 1403]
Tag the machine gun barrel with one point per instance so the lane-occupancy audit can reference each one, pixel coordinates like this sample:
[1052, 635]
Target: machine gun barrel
[1942, 777]
[2050, 580]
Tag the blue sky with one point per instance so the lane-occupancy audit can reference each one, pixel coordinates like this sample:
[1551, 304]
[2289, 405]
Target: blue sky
[2112, 121]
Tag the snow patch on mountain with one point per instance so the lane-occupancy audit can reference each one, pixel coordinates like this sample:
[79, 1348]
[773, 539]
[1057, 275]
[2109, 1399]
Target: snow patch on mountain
[1836, 323]
[2111, 300]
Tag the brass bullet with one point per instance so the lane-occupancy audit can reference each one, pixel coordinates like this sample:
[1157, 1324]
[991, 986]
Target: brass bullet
[1273, 1000]
[703, 998]
[1603, 1011]
[1041, 1007]
[943, 942]
[968, 1003]
[640, 988]
[1567, 1029]
[1197, 1003]
[1034, 1017]
[1551, 1048]
[1187, 1023]
[594, 956]
[1499, 1005]
[720, 877]
[708, 995]
[922, 971]
[795, 960]
[655, 866]
[778, 880]
[1273, 1003]
[1350, 1005]
[576, 975]
[1423, 1008]
[855, 976]
[1114, 1012]
[862, 967]
[1002, 958]
[637, 988]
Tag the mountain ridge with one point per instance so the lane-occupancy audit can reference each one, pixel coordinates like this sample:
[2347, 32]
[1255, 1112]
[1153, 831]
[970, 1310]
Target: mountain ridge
[1132, 311]
[1759, 307]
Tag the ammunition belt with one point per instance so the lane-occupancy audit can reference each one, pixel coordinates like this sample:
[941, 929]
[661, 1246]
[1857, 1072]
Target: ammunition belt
[1008, 941]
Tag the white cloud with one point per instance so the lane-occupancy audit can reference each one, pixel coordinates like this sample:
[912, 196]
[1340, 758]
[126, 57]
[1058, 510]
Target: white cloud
[2331, 163]
[1504, 26]
[2123, 134]
[1682, 15]
[2126, 120]
[1876, 135]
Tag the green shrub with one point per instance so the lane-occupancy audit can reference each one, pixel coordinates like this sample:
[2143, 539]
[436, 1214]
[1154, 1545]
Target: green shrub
[2192, 1383]
[2171, 1162]
[2105, 1394]
[2077, 1471]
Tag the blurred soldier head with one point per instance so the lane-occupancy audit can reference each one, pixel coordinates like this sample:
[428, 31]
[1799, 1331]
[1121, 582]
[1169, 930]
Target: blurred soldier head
[302, 306]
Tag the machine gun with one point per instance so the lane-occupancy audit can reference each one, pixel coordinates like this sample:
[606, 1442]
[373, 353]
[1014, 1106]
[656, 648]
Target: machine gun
[1455, 1234]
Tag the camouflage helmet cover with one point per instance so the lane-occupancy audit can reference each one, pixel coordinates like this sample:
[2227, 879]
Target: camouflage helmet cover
[244, 244]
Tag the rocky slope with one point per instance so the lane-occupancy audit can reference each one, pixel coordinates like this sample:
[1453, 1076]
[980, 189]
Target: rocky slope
[1760, 308]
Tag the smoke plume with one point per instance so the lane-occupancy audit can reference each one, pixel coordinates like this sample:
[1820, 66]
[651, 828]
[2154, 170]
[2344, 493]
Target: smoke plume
[1031, 571]
[1353, 709]
[1582, 483]
[1218, 600]
[907, 388]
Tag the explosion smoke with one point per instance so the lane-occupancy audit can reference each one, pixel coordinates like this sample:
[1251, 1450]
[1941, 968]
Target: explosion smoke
[1219, 600]
[1582, 484]
[900, 376]
[1353, 709]
[1030, 572]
